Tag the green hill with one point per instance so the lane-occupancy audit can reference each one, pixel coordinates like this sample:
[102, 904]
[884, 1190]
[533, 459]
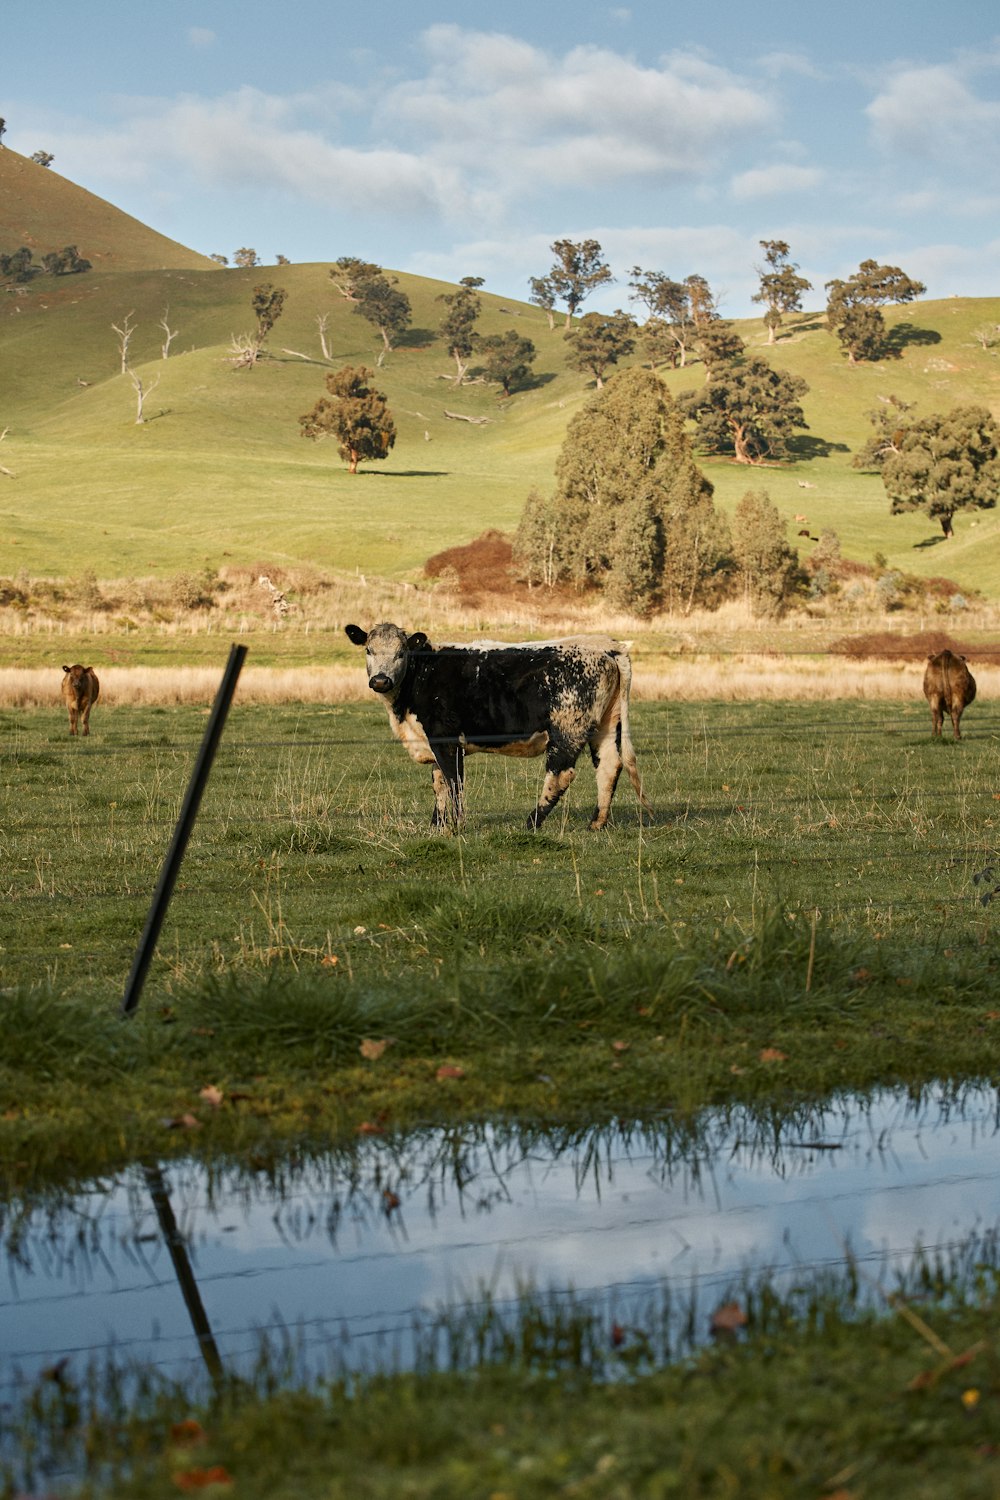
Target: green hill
[40, 209]
[219, 472]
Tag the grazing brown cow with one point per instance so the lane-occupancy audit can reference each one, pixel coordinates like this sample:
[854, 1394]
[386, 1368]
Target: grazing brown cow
[80, 689]
[949, 687]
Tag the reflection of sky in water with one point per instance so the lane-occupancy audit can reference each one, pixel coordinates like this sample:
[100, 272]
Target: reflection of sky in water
[616, 1213]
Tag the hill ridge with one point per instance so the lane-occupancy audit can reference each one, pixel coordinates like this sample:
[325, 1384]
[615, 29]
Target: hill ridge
[44, 211]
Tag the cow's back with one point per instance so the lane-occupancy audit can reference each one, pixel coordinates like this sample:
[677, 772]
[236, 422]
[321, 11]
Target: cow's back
[948, 677]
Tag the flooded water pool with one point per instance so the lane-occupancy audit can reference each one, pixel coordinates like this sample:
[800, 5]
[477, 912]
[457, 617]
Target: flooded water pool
[186, 1269]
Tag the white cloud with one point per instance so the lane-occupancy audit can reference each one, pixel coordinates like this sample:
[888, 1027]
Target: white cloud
[774, 181]
[776, 64]
[933, 112]
[250, 140]
[519, 119]
[491, 122]
[201, 37]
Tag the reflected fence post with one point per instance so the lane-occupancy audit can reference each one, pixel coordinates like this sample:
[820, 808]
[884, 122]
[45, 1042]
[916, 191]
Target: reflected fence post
[177, 1246]
[182, 832]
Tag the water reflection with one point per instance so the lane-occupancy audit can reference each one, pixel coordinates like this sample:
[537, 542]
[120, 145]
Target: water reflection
[184, 1268]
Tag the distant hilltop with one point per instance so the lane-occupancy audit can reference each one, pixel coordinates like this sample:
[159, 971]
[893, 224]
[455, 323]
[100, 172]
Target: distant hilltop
[45, 212]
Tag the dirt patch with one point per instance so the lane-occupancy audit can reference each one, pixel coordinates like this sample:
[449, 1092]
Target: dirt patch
[886, 646]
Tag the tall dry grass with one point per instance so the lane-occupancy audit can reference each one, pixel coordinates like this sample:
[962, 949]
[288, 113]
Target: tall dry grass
[690, 678]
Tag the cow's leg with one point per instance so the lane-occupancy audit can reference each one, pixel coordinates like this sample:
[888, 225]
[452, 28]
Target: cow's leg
[559, 773]
[72, 718]
[448, 777]
[442, 799]
[85, 718]
[956, 715]
[937, 716]
[605, 752]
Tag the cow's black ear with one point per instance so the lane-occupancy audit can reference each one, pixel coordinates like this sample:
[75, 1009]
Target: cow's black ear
[417, 641]
[88, 669]
[65, 669]
[356, 634]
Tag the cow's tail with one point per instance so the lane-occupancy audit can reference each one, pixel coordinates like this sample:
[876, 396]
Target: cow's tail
[624, 663]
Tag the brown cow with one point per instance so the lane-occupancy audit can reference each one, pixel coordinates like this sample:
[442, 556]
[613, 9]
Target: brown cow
[949, 687]
[80, 689]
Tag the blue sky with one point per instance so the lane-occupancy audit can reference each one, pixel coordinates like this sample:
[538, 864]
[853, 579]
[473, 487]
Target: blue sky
[460, 139]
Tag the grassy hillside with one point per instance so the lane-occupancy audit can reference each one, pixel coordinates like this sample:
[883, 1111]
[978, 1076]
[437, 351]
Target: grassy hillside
[40, 209]
[219, 472]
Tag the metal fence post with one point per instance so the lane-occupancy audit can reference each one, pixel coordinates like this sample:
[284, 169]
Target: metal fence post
[182, 832]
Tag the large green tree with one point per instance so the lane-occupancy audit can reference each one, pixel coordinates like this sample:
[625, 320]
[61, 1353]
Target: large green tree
[626, 481]
[506, 358]
[943, 463]
[348, 273]
[889, 422]
[357, 416]
[854, 307]
[600, 340]
[748, 409]
[382, 304]
[579, 269]
[459, 323]
[767, 567]
[718, 344]
[669, 327]
[781, 286]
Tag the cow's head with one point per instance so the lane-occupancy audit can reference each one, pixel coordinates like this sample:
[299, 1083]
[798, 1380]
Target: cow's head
[386, 651]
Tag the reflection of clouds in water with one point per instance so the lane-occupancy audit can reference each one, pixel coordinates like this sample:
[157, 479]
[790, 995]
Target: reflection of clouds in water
[617, 1210]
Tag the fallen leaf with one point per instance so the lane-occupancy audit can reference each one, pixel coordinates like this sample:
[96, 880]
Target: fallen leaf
[201, 1479]
[773, 1054]
[970, 1398]
[182, 1122]
[211, 1095]
[727, 1319]
[449, 1070]
[737, 1070]
[372, 1049]
[368, 1128]
[620, 1046]
[329, 961]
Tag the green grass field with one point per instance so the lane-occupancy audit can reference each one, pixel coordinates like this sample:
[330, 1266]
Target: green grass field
[811, 910]
[815, 872]
[218, 472]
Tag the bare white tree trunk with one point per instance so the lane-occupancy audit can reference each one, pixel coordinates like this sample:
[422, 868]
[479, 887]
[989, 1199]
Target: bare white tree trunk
[124, 331]
[322, 323]
[170, 332]
[141, 392]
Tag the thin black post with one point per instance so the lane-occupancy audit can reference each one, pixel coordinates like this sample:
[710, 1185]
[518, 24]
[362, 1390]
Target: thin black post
[177, 1245]
[182, 832]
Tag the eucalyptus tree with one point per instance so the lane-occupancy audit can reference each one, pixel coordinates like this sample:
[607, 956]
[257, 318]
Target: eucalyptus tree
[854, 307]
[781, 287]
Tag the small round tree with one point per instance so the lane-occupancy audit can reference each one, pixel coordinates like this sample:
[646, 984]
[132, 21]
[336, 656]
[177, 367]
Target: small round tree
[357, 416]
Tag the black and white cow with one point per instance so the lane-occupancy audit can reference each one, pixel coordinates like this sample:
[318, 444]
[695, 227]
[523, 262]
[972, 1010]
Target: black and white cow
[545, 697]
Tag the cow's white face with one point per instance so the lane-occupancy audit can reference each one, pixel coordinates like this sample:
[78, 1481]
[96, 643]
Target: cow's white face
[387, 650]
